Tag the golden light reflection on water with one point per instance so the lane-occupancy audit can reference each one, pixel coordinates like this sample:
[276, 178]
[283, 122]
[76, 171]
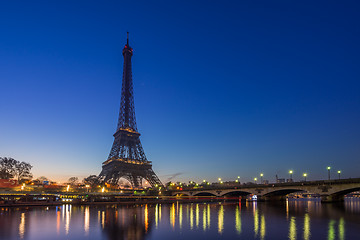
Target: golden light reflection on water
[146, 218]
[156, 216]
[180, 216]
[191, 217]
[103, 219]
[87, 220]
[331, 230]
[341, 229]
[256, 219]
[287, 209]
[306, 227]
[67, 218]
[208, 216]
[292, 229]
[262, 227]
[58, 217]
[22, 226]
[160, 212]
[248, 222]
[237, 220]
[221, 219]
[197, 214]
[204, 219]
[172, 215]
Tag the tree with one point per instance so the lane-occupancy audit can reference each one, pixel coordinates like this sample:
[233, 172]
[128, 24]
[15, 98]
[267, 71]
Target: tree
[92, 180]
[4, 174]
[73, 180]
[22, 171]
[42, 179]
[11, 168]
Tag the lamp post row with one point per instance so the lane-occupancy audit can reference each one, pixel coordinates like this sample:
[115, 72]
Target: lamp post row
[290, 176]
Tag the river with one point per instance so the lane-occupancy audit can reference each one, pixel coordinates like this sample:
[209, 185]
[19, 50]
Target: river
[293, 219]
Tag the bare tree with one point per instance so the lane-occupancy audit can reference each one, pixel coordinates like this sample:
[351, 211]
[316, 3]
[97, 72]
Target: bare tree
[73, 180]
[11, 168]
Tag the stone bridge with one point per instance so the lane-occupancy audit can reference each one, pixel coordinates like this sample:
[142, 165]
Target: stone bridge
[329, 190]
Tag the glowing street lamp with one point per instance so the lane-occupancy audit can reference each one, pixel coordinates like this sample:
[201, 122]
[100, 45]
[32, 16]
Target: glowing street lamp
[103, 189]
[219, 180]
[291, 173]
[255, 179]
[305, 175]
[261, 176]
[339, 172]
[328, 168]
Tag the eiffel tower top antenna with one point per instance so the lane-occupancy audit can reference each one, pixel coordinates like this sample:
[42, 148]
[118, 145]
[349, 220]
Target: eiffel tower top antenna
[127, 40]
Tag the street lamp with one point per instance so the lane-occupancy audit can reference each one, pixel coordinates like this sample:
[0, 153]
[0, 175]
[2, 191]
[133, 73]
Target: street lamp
[339, 172]
[219, 180]
[305, 175]
[261, 176]
[290, 173]
[255, 179]
[328, 168]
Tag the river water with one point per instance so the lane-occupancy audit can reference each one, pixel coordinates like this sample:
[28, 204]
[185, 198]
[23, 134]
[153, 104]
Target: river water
[294, 219]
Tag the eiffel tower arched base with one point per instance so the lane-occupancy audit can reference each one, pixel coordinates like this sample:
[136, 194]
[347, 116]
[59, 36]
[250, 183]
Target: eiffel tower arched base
[113, 170]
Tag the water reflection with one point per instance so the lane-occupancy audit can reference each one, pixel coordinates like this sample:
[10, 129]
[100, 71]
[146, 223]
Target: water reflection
[306, 227]
[292, 229]
[221, 219]
[191, 217]
[87, 220]
[67, 218]
[197, 215]
[172, 215]
[262, 227]
[204, 220]
[294, 219]
[331, 232]
[22, 226]
[341, 229]
[180, 216]
[256, 220]
[238, 219]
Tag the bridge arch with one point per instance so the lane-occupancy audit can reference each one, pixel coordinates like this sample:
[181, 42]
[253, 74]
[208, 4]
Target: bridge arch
[181, 195]
[204, 194]
[280, 194]
[346, 191]
[235, 193]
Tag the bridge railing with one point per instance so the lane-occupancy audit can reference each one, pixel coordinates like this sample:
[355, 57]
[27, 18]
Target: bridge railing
[287, 184]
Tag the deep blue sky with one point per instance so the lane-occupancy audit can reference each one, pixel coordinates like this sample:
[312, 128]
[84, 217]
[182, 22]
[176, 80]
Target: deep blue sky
[221, 88]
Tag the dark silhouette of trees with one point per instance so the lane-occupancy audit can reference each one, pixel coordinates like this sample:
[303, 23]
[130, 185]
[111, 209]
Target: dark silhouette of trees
[92, 180]
[11, 168]
[73, 180]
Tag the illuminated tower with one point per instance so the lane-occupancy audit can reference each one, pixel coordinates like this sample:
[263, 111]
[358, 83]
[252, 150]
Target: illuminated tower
[127, 158]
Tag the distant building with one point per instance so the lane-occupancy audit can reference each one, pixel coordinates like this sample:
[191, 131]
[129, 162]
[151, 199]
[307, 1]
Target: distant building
[280, 180]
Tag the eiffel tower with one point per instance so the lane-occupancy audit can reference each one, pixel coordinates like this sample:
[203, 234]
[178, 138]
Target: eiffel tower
[127, 158]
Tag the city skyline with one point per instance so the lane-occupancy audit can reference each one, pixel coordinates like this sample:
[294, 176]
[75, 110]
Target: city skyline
[221, 91]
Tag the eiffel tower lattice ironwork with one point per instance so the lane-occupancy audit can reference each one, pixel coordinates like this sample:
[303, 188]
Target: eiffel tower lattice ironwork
[127, 158]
